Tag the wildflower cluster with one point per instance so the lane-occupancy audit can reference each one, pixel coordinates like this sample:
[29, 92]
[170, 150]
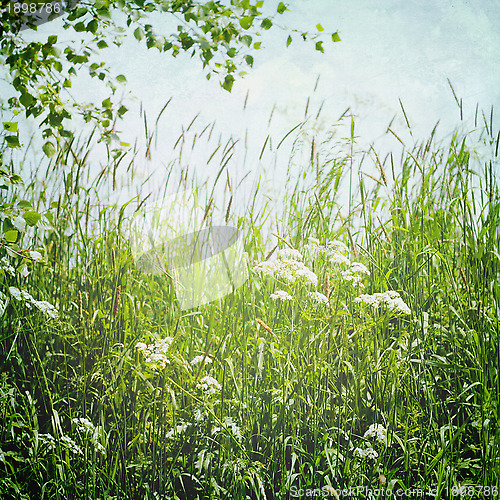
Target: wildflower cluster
[335, 250]
[206, 360]
[156, 354]
[6, 266]
[318, 298]
[208, 385]
[229, 424]
[281, 295]
[377, 431]
[89, 432]
[368, 453]
[354, 273]
[44, 306]
[288, 267]
[390, 299]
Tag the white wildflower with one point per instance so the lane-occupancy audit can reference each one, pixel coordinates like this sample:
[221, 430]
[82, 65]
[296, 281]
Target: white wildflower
[336, 246]
[71, 445]
[208, 385]
[368, 453]
[377, 431]
[391, 300]
[230, 425]
[15, 292]
[206, 360]
[7, 266]
[83, 424]
[318, 297]
[141, 346]
[177, 430]
[288, 270]
[357, 267]
[47, 439]
[47, 308]
[338, 258]
[4, 302]
[281, 295]
[155, 354]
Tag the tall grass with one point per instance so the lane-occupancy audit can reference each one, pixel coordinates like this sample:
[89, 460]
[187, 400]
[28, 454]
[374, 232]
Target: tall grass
[303, 387]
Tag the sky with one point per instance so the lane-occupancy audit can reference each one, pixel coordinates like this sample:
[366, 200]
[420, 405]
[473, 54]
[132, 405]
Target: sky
[391, 53]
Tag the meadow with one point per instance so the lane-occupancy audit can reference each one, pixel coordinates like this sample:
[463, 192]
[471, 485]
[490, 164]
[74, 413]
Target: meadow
[360, 359]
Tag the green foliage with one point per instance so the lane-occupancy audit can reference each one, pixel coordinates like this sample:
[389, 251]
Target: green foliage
[220, 34]
[303, 393]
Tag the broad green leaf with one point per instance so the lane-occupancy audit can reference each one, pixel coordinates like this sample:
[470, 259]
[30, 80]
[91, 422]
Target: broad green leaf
[92, 26]
[10, 126]
[319, 27]
[121, 78]
[247, 40]
[319, 46]
[259, 4]
[49, 149]
[12, 141]
[228, 83]
[281, 8]
[52, 39]
[249, 60]
[289, 40]
[31, 218]
[106, 103]
[335, 37]
[26, 99]
[246, 22]
[266, 23]
[11, 236]
[257, 45]
[102, 44]
[122, 110]
[139, 33]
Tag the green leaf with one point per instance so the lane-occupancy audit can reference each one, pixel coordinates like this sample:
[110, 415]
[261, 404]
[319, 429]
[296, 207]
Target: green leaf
[266, 23]
[26, 99]
[122, 110]
[31, 218]
[289, 40]
[281, 8]
[335, 37]
[228, 83]
[319, 27]
[107, 103]
[121, 78]
[246, 22]
[58, 66]
[102, 44]
[247, 40]
[319, 46]
[11, 236]
[10, 126]
[257, 45]
[259, 4]
[49, 149]
[139, 33]
[12, 141]
[52, 39]
[249, 60]
[92, 26]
